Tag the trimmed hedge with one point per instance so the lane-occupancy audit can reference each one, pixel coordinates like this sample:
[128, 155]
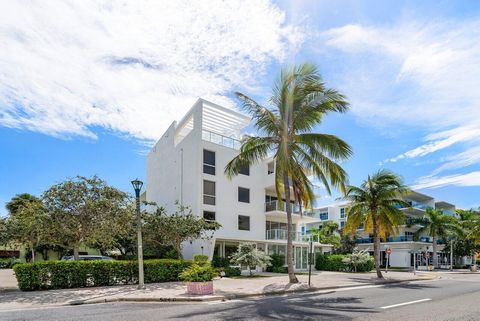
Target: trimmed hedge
[333, 262]
[8, 263]
[79, 274]
[277, 264]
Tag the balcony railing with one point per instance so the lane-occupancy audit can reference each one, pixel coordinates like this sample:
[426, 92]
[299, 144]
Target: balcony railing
[276, 206]
[221, 140]
[281, 234]
[401, 238]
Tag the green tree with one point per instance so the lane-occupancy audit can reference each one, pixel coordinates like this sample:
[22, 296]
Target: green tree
[3, 231]
[248, 255]
[328, 234]
[27, 225]
[299, 102]
[375, 205]
[435, 224]
[86, 211]
[19, 201]
[356, 258]
[161, 228]
[468, 233]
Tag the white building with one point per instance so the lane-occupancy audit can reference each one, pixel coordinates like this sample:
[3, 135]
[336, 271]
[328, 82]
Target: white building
[402, 245]
[187, 165]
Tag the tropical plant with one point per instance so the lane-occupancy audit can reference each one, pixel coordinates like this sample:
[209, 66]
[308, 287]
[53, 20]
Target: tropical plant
[198, 273]
[173, 229]
[375, 204]
[356, 258]
[469, 232]
[299, 102]
[435, 224]
[328, 233]
[247, 254]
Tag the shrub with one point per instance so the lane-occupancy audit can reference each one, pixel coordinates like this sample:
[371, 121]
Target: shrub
[334, 262]
[231, 271]
[356, 260]
[200, 258]
[277, 263]
[247, 254]
[74, 274]
[219, 261]
[8, 263]
[198, 273]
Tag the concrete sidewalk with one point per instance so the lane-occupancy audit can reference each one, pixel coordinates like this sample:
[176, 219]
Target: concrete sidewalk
[227, 288]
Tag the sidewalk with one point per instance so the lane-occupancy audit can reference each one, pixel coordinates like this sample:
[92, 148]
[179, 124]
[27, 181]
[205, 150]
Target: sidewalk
[227, 288]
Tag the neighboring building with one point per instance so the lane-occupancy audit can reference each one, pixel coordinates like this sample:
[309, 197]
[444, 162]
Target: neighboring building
[21, 253]
[402, 245]
[187, 166]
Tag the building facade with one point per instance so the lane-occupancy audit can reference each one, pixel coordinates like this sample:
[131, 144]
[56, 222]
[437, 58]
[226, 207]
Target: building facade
[187, 166]
[405, 250]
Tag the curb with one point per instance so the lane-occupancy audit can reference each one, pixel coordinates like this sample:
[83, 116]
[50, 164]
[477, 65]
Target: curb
[232, 296]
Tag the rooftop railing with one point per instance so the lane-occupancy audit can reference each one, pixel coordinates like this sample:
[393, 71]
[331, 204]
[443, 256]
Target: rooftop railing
[221, 140]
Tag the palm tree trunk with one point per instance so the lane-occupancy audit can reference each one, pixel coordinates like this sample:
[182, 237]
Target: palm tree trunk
[76, 254]
[376, 253]
[435, 258]
[291, 274]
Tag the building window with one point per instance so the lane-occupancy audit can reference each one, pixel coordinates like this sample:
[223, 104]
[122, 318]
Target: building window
[208, 192]
[324, 216]
[209, 216]
[342, 224]
[243, 195]
[342, 212]
[244, 223]
[245, 170]
[271, 168]
[208, 162]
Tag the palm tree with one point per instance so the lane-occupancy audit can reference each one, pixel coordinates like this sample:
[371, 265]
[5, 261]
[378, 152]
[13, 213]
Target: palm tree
[375, 204]
[298, 103]
[469, 230]
[437, 225]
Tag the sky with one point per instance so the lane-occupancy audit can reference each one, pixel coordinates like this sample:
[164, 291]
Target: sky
[87, 87]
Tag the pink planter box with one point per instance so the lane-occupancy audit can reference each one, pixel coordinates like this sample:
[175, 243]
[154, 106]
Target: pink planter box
[200, 288]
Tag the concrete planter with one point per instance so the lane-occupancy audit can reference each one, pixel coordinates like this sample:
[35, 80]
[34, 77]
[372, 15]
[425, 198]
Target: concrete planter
[200, 288]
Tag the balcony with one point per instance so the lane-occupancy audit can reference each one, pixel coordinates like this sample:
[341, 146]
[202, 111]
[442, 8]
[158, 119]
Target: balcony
[275, 210]
[401, 238]
[281, 234]
[221, 140]
[276, 206]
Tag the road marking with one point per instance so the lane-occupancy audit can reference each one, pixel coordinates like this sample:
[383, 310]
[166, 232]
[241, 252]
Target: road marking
[404, 303]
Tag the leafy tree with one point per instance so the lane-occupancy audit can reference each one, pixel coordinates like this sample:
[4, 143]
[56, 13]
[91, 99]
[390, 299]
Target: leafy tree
[3, 231]
[375, 205]
[347, 244]
[328, 233]
[468, 233]
[299, 102]
[86, 211]
[247, 254]
[27, 225]
[356, 258]
[19, 201]
[437, 225]
[173, 229]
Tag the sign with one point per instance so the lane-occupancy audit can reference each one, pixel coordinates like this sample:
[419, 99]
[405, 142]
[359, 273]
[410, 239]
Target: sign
[389, 251]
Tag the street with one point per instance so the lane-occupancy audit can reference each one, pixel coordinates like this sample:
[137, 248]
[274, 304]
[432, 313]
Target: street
[454, 297]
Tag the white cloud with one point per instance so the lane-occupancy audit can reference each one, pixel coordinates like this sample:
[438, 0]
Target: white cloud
[418, 76]
[130, 67]
[469, 179]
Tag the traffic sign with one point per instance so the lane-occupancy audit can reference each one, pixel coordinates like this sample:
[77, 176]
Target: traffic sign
[389, 251]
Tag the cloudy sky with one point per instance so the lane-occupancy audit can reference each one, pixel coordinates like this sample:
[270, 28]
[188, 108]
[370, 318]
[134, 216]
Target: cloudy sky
[87, 86]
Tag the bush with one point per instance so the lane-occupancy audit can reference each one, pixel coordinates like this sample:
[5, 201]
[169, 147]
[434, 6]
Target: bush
[219, 261]
[198, 273]
[8, 263]
[277, 264]
[334, 262]
[200, 258]
[75, 274]
[231, 271]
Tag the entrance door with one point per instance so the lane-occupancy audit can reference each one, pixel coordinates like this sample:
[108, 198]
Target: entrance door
[298, 258]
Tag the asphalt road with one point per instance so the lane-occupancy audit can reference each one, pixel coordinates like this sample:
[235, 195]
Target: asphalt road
[456, 298]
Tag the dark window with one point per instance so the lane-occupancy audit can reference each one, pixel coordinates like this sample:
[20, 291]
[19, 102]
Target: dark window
[324, 216]
[342, 224]
[209, 192]
[244, 223]
[342, 212]
[245, 170]
[208, 162]
[243, 195]
[209, 216]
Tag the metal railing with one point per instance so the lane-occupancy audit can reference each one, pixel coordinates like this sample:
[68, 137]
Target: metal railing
[221, 140]
[276, 206]
[281, 234]
[401, 238]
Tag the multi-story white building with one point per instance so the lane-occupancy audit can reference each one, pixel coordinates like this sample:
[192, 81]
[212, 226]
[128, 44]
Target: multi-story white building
[402, 245]
[187, 166]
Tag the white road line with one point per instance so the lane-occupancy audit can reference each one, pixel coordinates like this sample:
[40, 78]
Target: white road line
[404, 303]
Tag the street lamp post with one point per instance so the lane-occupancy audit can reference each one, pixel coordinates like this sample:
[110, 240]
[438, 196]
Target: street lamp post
[137, 186]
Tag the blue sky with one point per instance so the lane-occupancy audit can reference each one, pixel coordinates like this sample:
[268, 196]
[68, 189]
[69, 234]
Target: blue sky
[86, 90]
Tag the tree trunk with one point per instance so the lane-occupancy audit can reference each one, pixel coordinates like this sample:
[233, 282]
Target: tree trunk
[376, 254]
[435, 258]
[33, 254]
[76, 251]
[474, 260]
[291, 274]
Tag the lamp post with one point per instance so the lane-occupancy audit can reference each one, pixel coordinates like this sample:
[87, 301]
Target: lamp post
[137, 186]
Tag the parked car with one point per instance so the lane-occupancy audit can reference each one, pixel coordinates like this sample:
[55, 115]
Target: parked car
[87, 258]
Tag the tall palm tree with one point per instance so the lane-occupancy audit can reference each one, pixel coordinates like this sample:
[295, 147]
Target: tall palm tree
[437, 225]
[375, 204]
[298, 103]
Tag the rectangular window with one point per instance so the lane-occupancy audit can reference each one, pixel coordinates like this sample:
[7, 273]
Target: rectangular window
[208, 162]
[342, 212]
[245, 170]
[244, 223]
[324, 216]
[243, 195]
[208, 192]
[342, 224]
[209, 216]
